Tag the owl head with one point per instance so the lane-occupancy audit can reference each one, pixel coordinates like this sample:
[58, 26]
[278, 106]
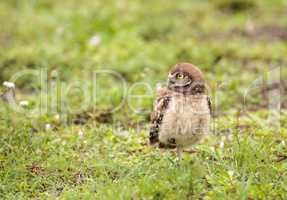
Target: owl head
[187, 79]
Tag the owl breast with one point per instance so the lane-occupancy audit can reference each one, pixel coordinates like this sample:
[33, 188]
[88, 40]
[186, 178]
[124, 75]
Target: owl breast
[186, 121]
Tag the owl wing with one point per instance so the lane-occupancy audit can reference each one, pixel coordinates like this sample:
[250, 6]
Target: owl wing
[160, 106]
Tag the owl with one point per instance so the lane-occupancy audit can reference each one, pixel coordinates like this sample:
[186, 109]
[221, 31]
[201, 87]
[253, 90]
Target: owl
[182, 110]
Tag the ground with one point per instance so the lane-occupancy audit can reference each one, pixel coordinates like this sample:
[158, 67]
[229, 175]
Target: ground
[70, 142]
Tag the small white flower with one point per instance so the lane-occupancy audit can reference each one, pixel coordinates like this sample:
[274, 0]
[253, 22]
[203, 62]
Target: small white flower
[283, 142]
[221, 144]
[24, 103]
[9, 84]
[48, 127]
[95, 40]
[81, 134]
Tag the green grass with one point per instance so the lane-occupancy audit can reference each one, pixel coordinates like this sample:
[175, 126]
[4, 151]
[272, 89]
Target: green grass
[229, 40]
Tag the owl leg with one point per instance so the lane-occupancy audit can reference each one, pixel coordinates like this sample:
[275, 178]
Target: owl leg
[179, 151]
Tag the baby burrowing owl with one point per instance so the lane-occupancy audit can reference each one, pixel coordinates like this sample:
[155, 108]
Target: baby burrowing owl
[182, 110]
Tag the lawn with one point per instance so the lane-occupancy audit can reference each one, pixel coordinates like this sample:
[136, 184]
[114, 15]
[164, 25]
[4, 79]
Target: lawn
[85, 74]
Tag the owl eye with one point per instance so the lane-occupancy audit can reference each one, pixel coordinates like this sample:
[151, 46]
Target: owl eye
[179, 76]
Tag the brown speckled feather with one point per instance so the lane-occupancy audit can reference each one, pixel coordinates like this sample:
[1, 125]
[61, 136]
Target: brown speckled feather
[160, 106]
